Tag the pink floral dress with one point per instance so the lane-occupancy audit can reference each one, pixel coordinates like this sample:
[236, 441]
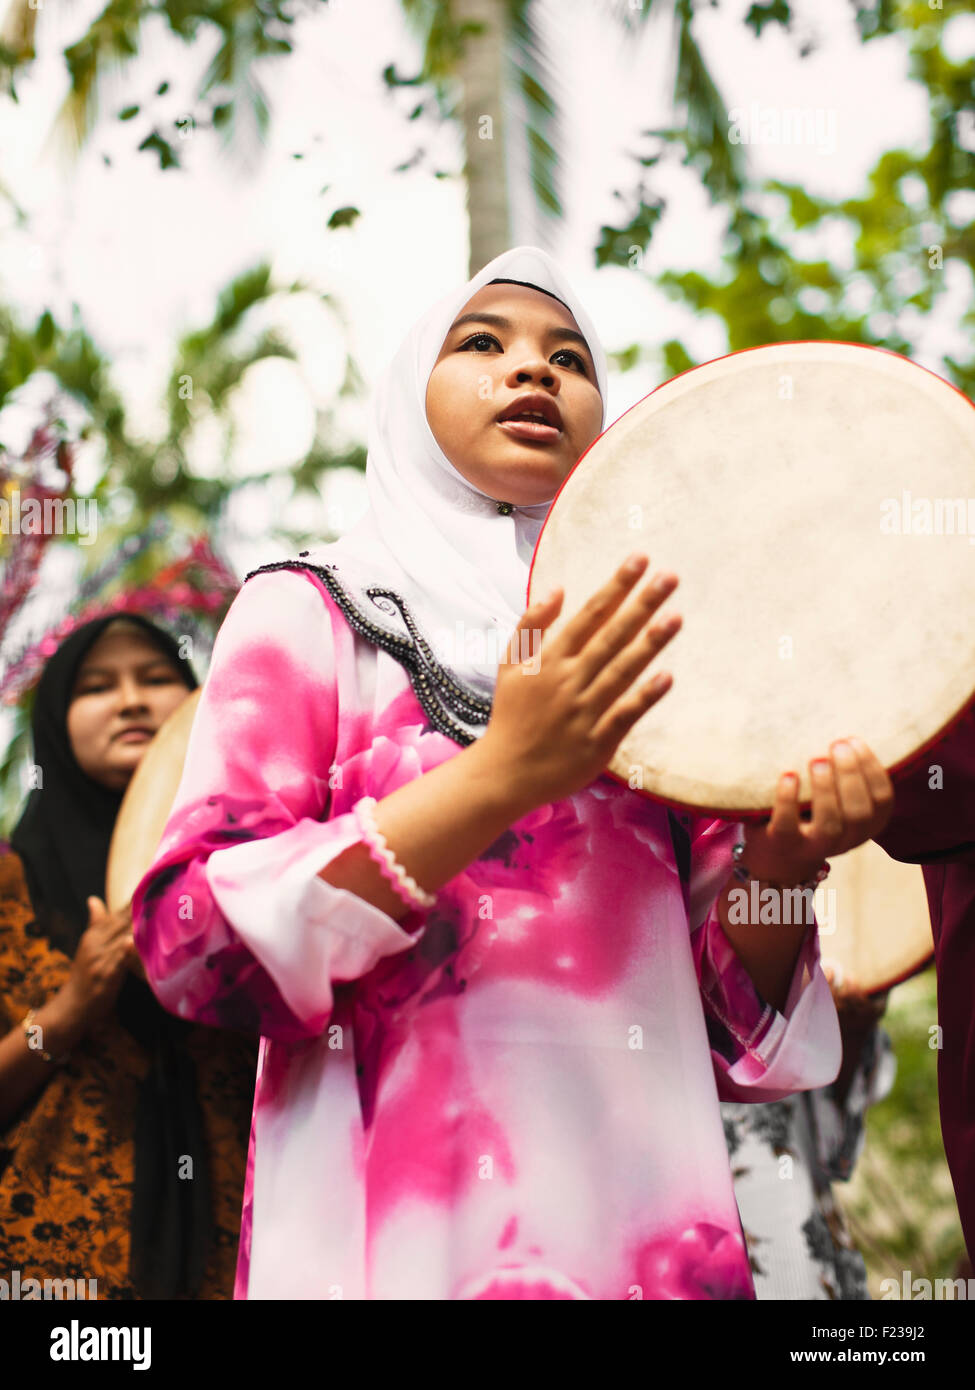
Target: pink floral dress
[513, 1094]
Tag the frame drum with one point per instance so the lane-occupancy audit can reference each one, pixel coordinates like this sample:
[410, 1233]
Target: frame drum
[865, 886]
[146, 805]
[813, 500]
[874, 923]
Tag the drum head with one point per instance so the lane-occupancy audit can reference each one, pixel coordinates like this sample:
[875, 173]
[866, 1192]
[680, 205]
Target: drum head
[146, 805]
[812, 500]
[874, 924]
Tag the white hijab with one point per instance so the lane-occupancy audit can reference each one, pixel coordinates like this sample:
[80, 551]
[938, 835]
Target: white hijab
[460, 566]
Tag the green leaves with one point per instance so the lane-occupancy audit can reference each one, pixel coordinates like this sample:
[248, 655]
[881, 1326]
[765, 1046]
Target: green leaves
[698, 102]
[779, 12]
[44, 333]
[248, 34]
[168, 158]
[616, 244]
[343, 217]
[676, 358]
[798, 265]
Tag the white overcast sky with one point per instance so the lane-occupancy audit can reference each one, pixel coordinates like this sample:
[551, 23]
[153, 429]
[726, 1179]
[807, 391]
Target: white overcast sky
[144, 253]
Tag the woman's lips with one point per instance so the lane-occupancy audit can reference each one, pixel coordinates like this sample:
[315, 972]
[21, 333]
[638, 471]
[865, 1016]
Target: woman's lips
[134, 736]
[531, 429]
[523, 1282]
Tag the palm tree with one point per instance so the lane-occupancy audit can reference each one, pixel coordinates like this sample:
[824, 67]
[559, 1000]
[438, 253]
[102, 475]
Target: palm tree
[476, 55]
[476, 51]
[229, 88]
[208, 365]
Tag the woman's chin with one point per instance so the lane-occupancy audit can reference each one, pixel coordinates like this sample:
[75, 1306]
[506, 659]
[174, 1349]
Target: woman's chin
[535, 488]
[117, 773]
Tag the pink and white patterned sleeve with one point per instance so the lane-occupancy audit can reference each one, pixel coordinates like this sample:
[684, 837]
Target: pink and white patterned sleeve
[759, 1053]
[234, 925]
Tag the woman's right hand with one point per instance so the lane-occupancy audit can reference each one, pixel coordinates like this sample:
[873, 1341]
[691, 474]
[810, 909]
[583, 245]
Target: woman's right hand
[556, 722]
[105, 952]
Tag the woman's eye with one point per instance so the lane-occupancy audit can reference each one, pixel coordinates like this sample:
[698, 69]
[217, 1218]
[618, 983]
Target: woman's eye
[90, 688]
[562, 352]
[480, 337]
[567, 352]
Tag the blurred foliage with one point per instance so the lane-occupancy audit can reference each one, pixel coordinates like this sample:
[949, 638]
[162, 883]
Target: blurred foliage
[698, 106]
[248, 32]
[209, 363]
[14, 759]
[906, 231]
[900, 1203]
[143, 476]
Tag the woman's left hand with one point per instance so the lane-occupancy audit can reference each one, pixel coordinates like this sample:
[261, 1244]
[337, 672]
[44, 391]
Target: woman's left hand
[852, 801]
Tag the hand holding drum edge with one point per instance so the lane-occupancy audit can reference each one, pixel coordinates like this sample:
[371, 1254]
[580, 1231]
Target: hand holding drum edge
[852, 801]
[560, 711]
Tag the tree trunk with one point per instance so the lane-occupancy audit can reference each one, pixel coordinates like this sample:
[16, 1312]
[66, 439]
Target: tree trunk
[482, 113]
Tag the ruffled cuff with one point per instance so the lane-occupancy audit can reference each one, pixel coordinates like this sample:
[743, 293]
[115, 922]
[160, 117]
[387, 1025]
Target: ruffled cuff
[304, 932]
[759, 1053]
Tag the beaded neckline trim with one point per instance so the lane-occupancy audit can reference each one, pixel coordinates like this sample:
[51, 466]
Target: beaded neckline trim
[439, 694]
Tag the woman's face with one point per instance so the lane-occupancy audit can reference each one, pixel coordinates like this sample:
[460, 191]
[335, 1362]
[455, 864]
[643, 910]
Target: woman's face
[485, 366]
[124, 689]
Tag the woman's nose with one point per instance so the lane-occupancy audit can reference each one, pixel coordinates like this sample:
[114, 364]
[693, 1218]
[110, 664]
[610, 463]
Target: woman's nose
[132, 695]
[539, 371]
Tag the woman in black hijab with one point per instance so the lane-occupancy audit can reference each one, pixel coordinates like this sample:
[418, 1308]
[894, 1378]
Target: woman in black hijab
[128, 1165]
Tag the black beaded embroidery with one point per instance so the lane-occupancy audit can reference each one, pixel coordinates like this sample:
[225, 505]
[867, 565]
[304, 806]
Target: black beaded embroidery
[438, 682]
[432, 683]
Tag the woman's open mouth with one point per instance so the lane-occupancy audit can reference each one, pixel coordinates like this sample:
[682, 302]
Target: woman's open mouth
[532, 429]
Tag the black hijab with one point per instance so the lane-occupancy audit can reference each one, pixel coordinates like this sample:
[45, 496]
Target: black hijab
[63, 838]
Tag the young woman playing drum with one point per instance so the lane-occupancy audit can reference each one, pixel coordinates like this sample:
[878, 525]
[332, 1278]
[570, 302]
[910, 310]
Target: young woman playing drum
[494, 994]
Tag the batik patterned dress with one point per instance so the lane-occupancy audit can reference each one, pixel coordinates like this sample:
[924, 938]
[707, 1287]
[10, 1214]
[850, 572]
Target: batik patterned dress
[511, 1094]
[67, 1158]
[799, 1241]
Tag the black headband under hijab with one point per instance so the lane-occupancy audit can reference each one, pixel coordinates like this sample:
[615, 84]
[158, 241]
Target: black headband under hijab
[502, 280]
[63, 838]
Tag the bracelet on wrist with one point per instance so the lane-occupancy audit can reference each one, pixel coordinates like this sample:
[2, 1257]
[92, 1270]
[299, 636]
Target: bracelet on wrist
[743, 874]
[407, 888]
[27, 1024]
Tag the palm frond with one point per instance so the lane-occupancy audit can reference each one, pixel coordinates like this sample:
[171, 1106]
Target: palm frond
[705, 114]
[542, 127]
[623, 12]
[17, 32]
[110, 42]
[439, 35]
